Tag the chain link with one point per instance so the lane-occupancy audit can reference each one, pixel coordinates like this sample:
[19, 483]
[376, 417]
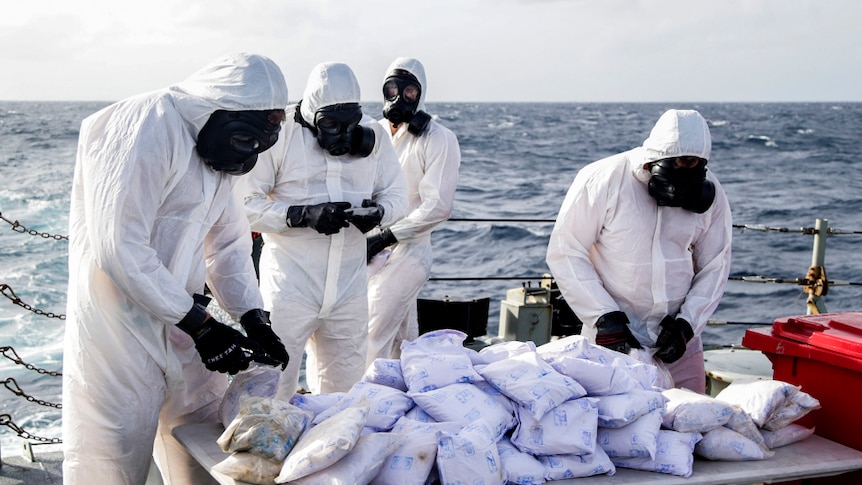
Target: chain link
[13, 386]
[9, 293]
[23, 230]
[6, 420]
[17, 360]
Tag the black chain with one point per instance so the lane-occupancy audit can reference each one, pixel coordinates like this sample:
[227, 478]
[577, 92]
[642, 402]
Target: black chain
[749, 227]
[792, 281]
[12, 385]
[9, 293]
[23, 230]
[6, 420]
[802, 230]
[17, 360]
[462, 219]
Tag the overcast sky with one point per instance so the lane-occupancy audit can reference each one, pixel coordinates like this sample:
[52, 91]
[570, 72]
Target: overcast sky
[473, 50]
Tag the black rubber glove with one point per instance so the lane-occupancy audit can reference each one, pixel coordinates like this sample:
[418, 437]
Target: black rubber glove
[257, 326]
[326, 218]
[222, 348]
[378, 242]
[366, 220]
[614, 333]
[675, 334]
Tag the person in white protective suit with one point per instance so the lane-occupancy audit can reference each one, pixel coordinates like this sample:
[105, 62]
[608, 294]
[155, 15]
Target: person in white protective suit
[331, 177]
[152, 220]
[641, 246]
[401, 253]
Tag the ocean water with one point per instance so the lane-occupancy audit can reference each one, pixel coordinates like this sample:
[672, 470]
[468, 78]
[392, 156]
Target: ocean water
[782, 165]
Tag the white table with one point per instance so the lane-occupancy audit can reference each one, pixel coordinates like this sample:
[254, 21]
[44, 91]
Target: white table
[810, 458]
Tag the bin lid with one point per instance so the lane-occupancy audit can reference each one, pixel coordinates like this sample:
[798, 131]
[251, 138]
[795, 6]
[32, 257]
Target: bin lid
[838, 332]
[775, 347]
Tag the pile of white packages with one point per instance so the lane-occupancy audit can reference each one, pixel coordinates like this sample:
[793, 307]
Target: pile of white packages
[510, 413]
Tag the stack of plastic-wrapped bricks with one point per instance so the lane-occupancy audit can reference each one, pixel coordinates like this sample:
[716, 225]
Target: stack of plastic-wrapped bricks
[509, 413]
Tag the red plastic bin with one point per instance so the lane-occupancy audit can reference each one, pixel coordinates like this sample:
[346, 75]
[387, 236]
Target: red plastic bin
[822, 354]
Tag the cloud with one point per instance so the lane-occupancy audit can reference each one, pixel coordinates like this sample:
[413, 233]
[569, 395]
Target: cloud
[473, 50]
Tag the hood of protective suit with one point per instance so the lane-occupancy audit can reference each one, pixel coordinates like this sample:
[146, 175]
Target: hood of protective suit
[678, 133]
[413, 66]
[236, 82]
[329, 83]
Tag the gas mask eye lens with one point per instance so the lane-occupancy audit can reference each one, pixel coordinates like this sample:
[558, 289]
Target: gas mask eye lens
[328, 125]
[390, 90]
[689, 162]
[393, 87]
[275, 117]
[245, 143]
[411, 93]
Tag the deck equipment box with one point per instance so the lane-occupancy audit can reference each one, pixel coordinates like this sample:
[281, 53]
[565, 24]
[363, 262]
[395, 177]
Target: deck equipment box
[468, 316]
[823, 354]
[525, 315]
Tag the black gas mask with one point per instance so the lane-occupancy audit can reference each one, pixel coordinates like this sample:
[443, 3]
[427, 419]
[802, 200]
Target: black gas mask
[338, 130]
[401, 94]
[684, 186]
[231, 140]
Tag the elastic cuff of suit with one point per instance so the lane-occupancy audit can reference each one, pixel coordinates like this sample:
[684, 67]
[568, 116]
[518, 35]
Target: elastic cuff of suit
[194, 320]
[296, 216]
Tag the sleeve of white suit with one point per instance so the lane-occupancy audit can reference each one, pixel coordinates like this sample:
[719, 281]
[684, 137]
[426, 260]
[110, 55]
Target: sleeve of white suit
[436, 189]
[230, 271]
[122, 207]
[578, 225]
[264, 214]
[712, 265]
[390, 186]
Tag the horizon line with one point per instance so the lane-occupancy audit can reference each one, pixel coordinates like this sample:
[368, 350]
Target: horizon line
[491, 102]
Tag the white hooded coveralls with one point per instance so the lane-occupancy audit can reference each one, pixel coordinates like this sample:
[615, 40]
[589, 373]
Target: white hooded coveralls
[430, 163]
[614, 248]
[314, 285]
[150, 222]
